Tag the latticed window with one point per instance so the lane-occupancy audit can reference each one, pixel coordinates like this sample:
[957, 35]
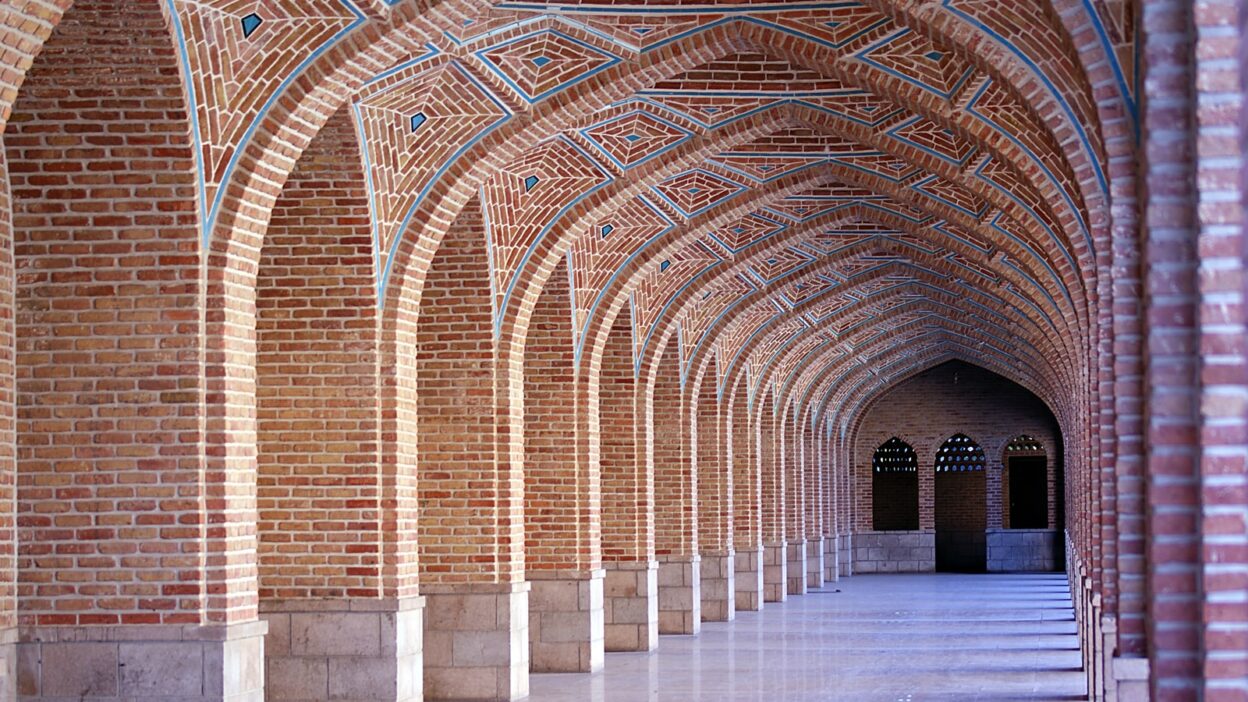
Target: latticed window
[1024, 445]
[895, 456]
[958, 454]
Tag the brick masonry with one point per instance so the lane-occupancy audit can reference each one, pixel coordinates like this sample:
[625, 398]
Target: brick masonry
[532, 335]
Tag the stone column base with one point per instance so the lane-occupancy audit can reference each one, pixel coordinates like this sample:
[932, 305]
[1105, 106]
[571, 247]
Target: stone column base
[814, 563]
[477, 641]
[796, 554]
[719, 588]
[631, 606]
[165, 662]
[1131, 679]
[775, 572]
[1109, 641]
[1098, 671]
[566, 633]
[844, 558]
[8, 664]
[361, 650]
[748, 564]
[831, 556]
[680, 594]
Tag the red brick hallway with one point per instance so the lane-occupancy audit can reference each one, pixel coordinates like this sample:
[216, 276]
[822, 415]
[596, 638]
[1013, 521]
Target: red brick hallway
[403, 349]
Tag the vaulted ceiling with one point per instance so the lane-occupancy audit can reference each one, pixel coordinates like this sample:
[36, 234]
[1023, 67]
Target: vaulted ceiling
[793, 193]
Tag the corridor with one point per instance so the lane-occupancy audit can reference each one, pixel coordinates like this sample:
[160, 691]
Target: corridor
[896, 638]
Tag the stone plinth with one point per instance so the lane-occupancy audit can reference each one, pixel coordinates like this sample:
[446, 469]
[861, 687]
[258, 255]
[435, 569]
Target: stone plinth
[795, 569]
[477, 641]
[814, 563]
[894, 552]
[8, 665]
[631, 605]
[748, 564]
[1131, 679]
[831, 558]
[169, 663]
[566, 625]
[680, 594]
[775, 572]
[366, 650]
[1022, 550]
[845, 556]
[718, 584]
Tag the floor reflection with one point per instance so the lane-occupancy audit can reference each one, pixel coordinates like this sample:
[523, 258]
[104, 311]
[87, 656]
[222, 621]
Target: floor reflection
[900, 638]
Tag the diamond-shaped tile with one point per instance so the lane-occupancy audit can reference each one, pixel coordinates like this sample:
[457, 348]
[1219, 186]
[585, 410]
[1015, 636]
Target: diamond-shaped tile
[250, 24]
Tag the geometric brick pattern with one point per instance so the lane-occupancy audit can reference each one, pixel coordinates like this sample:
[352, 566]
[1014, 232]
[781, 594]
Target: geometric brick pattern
[635, 138]
[541, 64]
[524, 200]
[239, 55]
[414, 126]
[694, 192]
[595, 257]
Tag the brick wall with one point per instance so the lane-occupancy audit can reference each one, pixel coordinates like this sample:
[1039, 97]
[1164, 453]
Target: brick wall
[627, 487]
[466, 525]
[961, 501]
[319, 485]
[561, 497]
[106, 243]
[675, 481]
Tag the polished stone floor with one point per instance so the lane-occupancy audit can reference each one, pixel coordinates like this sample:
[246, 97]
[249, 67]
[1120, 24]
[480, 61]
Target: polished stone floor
[900, 638]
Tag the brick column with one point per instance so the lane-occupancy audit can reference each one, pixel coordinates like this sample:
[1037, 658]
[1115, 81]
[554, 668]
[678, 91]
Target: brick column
[1222, 173]
[476, 625]
[771, 467]
[114, 415]
[676, 495]
[812, 459]
[562, 493]
[792, 458]
[631, 585]
[1173, 551]
[718, 568]
[344, 618]
[747, 534]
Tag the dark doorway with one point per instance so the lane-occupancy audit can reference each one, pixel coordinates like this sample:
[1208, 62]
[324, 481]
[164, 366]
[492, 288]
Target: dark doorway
[1029, 493]
[961, 506]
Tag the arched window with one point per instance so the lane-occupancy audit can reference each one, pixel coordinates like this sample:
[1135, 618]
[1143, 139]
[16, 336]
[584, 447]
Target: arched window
[895, 486]
[958, 454]
[1026, 476]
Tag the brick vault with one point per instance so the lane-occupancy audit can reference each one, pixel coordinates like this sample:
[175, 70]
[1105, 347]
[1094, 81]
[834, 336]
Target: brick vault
[380, 349]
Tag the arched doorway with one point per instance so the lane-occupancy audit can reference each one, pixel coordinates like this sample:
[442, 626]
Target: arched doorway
[961, 506]
[895, 487]
[1026, 481]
